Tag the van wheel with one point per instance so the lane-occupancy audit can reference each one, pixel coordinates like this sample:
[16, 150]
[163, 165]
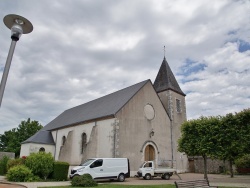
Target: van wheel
[147, 176]
[166, 176]
[121, 177]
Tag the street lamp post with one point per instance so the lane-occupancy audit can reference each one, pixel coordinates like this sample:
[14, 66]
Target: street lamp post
[18, 26]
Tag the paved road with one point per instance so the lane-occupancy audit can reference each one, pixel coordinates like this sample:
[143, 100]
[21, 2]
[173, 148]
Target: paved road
[214, 179]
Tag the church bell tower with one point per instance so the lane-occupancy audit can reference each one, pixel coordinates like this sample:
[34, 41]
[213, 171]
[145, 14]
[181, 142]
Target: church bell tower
[173, 99]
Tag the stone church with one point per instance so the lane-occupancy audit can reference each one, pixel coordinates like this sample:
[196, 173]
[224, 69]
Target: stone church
[141, 122]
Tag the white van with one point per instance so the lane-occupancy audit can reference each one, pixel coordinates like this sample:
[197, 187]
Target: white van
[103, 168]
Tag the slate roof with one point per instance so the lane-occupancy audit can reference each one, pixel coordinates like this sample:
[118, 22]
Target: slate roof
[41, 137]
[165, 79]
[103, 107]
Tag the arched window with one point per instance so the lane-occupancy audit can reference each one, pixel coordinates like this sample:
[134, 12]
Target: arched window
[63, 140]
[84, 142]
[42, 149]
[178, 105]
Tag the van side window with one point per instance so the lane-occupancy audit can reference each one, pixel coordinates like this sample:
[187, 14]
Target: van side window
[97, 163]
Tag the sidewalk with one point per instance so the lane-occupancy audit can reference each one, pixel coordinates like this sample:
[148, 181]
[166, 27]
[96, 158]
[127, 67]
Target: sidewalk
[214, 179]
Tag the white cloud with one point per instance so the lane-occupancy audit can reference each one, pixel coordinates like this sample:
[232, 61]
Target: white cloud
[223, 86]
[82, 50]
[117, 41]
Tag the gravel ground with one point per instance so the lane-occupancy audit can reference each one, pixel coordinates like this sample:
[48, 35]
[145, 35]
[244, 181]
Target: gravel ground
[214, 179]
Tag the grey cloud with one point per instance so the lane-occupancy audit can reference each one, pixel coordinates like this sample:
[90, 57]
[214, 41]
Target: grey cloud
[82, 50]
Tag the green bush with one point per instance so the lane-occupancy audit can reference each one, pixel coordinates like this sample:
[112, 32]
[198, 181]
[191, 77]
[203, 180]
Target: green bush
[41, 164]
[21, 173]
[14, 162]
[3, 165]
[243, 162]
[83, 181]
[60, 170]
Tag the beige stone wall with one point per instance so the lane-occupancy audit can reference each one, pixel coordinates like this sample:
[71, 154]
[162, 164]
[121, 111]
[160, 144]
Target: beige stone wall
[28, 148]
[169, 101]
[196, 165]
[99, 141]
[8, 154]
[133, 129]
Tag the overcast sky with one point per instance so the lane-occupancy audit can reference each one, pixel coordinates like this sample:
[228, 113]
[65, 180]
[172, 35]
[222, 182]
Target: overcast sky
[83, 49]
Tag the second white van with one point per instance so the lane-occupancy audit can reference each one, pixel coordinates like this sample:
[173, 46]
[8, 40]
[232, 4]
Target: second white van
[104, 168]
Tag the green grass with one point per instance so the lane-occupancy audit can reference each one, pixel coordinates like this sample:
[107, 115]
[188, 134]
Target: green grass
[126, 186]
[120, 186]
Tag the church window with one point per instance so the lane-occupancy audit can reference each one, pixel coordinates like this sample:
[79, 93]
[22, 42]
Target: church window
[149, 112]
[42, 149]
[63, 140]
[178, 105]
[84, 142]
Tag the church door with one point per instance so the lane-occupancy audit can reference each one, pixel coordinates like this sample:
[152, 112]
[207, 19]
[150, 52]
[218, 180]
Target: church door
[149, 153]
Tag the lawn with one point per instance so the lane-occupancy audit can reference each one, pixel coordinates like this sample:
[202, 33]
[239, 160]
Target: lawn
[120, 186]
[125, 186]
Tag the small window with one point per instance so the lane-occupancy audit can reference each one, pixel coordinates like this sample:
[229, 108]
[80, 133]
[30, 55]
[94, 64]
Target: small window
[63, 140]
[178, 105]
[84, 142]
[42, 149]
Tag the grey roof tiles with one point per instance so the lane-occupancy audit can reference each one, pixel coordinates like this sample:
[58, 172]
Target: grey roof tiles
[102, 107]
[165, 79]
[41, 137]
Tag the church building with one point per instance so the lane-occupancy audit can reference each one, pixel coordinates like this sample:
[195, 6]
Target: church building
[141, 122]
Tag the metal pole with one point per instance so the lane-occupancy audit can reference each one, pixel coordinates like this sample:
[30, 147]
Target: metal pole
[6, 69]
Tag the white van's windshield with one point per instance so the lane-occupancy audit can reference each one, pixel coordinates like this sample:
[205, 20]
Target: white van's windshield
[87, 162]
[142, 164]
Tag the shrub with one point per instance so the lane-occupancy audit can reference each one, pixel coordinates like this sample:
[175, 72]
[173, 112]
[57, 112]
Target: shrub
[60, 170]
[3, 165]
[83, 181]
[40, 163]
[243, 162]
[14, 162]
[21, 173]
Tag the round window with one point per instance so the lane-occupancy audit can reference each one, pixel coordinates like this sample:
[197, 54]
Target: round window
[149, 112]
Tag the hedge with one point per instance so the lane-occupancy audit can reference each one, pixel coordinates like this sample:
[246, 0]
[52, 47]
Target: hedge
[85, 180]
[3, 165]
[60, 170]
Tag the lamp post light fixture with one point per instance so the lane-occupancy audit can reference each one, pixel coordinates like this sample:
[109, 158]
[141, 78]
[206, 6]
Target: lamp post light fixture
[18, 26]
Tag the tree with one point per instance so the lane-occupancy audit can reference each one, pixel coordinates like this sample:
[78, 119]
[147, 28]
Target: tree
[40, 163]
[11, 140]
[243, 120]
[223, 137]
[198, 138]
[233, 137]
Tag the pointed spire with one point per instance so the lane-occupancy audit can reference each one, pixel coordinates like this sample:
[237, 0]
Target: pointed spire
[164, 52]
[165, 79]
